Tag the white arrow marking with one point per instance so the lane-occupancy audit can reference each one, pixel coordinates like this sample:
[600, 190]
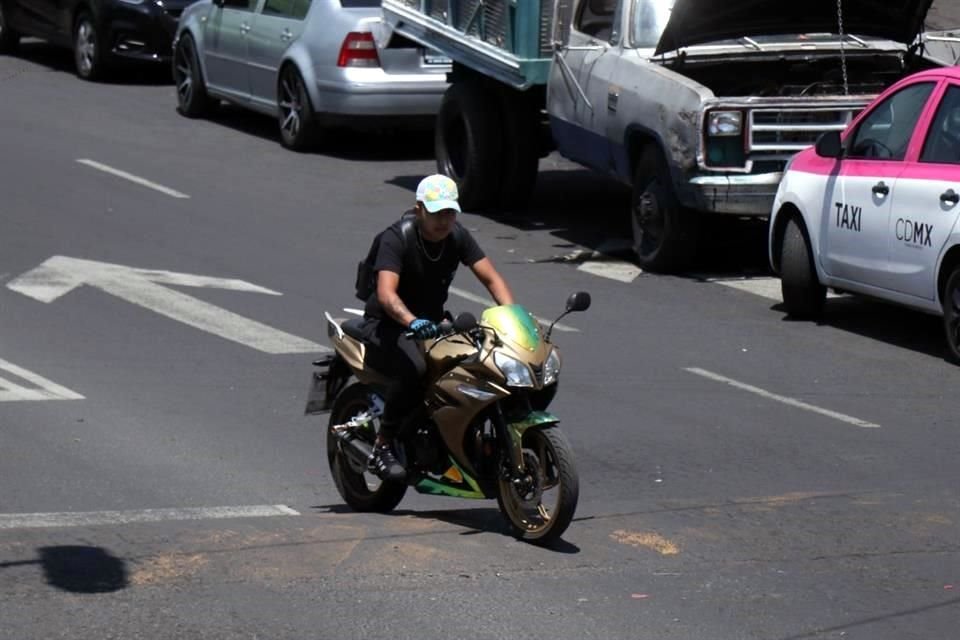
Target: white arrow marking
[60, 274]
[48, 390]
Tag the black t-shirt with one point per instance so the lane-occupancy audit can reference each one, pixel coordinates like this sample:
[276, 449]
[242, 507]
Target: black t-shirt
[426, 269]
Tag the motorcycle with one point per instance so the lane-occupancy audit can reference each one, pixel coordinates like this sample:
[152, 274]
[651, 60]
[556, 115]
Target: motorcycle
[482, 431]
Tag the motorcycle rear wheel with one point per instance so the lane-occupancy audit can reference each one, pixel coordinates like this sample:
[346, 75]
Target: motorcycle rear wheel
[362, 491]
[543, 511]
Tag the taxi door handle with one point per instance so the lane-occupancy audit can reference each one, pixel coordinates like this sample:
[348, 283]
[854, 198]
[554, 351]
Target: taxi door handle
[949, 196]
[881, 189]
[286, 35]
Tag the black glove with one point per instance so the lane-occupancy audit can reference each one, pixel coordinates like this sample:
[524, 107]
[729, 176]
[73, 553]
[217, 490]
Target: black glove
[424, 329]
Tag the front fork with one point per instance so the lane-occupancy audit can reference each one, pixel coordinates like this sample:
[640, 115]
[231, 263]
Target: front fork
[511, 433]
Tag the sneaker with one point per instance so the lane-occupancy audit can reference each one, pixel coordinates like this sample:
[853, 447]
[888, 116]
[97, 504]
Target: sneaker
[385, 464]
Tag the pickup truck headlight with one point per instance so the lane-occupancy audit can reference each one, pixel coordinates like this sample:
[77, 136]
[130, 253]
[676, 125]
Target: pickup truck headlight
[516, 373]
[724, 123]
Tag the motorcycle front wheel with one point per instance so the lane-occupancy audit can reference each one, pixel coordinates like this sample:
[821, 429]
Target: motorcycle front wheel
[540, 507]
[360, 489]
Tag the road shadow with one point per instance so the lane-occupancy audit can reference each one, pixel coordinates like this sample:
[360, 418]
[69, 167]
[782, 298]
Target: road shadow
[883, 322]
[79, 569]
[475, 521]
[60, 60]
[387, 144]
[582, 209]
[83, 569]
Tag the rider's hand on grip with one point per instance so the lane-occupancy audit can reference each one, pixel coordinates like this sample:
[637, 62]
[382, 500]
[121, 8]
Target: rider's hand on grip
[424, 329]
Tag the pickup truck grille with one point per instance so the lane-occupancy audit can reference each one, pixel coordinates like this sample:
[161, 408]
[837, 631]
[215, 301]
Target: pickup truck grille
[780, 132]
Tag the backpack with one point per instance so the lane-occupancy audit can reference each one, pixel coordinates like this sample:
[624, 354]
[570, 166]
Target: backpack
[366, 284]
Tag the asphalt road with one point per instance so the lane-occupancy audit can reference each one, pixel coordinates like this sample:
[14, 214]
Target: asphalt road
[741, 476]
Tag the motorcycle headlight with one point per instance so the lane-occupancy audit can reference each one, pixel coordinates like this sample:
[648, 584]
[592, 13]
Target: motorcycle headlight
[551, 368]
[514, 371]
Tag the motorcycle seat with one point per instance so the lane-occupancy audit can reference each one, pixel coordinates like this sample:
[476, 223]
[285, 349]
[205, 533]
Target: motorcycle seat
[353, 328]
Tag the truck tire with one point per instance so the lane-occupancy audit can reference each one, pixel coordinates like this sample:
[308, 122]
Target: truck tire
[521, 152]
[803, 295]
[468, 143]
[664, 232]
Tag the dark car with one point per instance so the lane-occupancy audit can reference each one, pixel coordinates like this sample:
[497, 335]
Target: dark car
[100, 32]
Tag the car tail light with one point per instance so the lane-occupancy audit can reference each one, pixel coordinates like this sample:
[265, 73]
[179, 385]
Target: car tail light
[358, 50]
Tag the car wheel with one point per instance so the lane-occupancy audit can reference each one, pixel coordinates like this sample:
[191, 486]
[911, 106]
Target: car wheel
[950, 302]
[87, 49]
[467, 143]
[298, 128]
[803, 295]
[664, 232]
[9, 39]
[192, 98]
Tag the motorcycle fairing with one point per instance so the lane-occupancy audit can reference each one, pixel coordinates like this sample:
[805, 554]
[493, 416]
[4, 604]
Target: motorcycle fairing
[514, 324]
[454, 482]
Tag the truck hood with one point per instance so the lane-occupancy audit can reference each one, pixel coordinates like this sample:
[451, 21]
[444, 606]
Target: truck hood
[698, 21]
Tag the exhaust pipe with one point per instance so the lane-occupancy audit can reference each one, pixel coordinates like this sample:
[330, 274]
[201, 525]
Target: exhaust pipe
[355, 448]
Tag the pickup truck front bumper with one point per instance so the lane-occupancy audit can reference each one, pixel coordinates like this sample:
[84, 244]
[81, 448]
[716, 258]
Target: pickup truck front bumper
[741, 195]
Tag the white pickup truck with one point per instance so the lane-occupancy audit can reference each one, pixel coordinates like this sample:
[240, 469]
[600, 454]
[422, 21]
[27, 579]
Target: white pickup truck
[696, 104]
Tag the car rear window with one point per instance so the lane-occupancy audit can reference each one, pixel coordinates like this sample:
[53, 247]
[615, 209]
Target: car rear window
[359, 4]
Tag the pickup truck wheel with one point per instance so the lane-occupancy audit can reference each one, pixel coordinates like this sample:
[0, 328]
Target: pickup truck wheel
[664, 232]
[803, 295]
[521, 153]
[9, 39]
[950, 303]
[468, 143]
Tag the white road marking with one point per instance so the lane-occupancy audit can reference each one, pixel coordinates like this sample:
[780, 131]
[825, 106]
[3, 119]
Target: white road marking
[98, 518]
[48, 390]
[613, 269]
[59, 275]
[765, 287]
[132, 178]
[784, 399]
[487, 302]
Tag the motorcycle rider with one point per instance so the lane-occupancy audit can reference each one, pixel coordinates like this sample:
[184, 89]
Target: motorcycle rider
[412, 283]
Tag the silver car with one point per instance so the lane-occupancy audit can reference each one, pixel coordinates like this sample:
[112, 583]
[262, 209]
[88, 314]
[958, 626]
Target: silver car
[309, 63]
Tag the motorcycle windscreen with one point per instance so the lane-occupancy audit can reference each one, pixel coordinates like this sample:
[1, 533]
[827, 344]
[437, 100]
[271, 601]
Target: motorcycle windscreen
[514, 324]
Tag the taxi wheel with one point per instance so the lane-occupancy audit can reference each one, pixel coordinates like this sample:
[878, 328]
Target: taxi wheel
[950, 301]
[803, 295]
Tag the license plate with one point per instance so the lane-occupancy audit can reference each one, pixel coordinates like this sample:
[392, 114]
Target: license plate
[438, 59]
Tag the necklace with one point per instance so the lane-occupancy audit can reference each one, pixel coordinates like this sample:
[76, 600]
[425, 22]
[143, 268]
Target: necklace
[423, 247]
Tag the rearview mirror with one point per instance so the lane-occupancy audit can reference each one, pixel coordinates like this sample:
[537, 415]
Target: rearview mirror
[562, 17]
[464, 322]
[829, 145]
[579, 301]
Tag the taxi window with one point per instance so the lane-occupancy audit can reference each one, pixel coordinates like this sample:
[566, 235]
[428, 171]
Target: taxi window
[943, 140]
[885, 133]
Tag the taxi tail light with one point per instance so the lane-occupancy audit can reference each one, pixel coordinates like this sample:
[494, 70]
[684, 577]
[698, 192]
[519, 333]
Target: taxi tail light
[358, 50]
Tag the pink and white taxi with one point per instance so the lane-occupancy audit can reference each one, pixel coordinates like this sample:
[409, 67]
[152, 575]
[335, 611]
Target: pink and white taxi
[874, 210]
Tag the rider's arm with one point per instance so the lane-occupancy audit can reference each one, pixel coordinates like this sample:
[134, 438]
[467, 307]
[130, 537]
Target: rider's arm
[492, 280]
[387, 283]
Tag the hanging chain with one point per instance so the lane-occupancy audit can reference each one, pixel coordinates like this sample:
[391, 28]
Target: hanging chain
[843, 56]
